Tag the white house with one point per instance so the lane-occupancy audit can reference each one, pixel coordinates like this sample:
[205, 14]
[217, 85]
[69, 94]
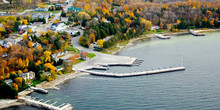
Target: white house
[8, 42]
[9, 82]
[29, 75]
[155, 27]
[58, 26]
[40, 9]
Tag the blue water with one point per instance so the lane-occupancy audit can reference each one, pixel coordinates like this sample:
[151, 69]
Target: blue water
[195, 88]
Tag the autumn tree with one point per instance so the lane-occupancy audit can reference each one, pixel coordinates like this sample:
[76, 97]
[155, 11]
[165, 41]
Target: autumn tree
[49, 66]
[47, 56]
[18, 81]
[15, 86]
[100, 42]
[147, 24]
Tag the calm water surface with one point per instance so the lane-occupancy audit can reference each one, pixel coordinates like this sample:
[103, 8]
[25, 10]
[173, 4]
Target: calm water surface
[195, 88]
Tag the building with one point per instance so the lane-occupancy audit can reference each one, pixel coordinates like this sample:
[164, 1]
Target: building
[2, 25]
[26, 27]
[69, 31]
[9, 82]
[7, 42]
[64, 19]
[40, 9]
[36, 44]
[75, 9]
[155, 27]
[29, 75]
[40, 16]
[58, 26]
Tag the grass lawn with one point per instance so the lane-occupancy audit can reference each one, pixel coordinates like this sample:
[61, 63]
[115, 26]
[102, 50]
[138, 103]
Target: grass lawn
[91, 55]
[123, 43]
[35, 82]
[70, 48]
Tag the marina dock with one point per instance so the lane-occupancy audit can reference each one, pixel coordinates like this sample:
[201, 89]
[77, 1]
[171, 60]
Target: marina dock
[161, 36]
[195, 34]
[148, 72]
[43, 105]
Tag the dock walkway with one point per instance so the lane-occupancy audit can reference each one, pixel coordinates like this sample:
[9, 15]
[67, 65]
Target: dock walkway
[195, 34]
[161, 36]
[148, 72]
[44, 105]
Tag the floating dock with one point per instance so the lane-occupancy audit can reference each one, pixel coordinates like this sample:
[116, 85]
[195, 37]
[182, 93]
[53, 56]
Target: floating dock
[148, 72]
[161, 36]
[195, 34]
[39, 90]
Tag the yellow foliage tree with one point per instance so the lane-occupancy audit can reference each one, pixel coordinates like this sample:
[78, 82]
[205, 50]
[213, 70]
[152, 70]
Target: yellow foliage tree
[55, 22]
[25, 37]
[147, 24]
[30, 44]
[18, 81]
[38, 62]
[15, 86]
[20, 63]
[25, 22]
[87, 6]
[47, 56]
[29, 30]
[25, 70]
[100, 42]
[39, 48]
[49, 66]
[91, 37]
[178, 21]
[126, 7]
[19, 71]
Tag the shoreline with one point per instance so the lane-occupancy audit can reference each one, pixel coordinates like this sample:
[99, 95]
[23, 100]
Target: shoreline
[148, 36]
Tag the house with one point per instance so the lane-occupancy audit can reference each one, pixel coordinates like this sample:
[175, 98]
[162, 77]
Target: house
[69, 31]
[9, 82]
[8, 42]
[26, 27]
[64, 19]
[29, 75]
[40, 16]
[36, 44]
[58, 26]
[2, 25]
[74, 9]
[155, 27]
[40, 9]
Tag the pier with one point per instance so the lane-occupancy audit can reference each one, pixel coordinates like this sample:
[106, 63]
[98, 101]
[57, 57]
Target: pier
[195, 33]
[148, 72]
[39, 90]
[44, 105]
[161, 36]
